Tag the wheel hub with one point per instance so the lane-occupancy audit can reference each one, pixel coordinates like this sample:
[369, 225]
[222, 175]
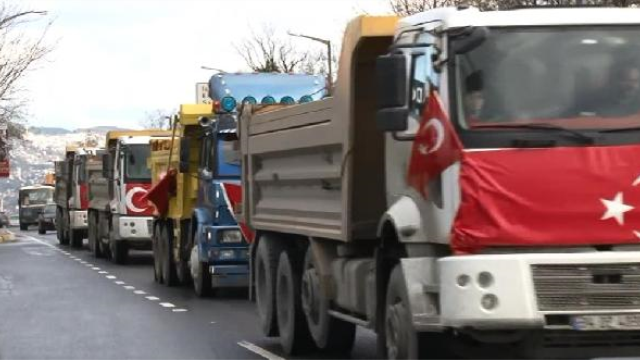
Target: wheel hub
[310, 291]
[392, 330]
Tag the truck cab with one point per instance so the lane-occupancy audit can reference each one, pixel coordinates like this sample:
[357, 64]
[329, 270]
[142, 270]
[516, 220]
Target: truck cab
[119, 219]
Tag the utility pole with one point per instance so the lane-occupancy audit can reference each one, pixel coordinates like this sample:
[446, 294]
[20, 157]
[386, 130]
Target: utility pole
[329, 65]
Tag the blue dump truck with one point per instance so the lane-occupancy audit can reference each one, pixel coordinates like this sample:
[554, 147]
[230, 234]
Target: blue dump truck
[197, 194]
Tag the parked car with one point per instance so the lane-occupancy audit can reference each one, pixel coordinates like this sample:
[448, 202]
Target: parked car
[47, 219]
[14, 220]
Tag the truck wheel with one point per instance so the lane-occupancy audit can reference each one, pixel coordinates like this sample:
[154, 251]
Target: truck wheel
[329, 334]
[294, 332]
[75, 237]
[157, 253]
[24, 227]
[168, 267]
[401, 341]
[266, 266]
[200, 274]
[94, 241]
[60, 233]
[119, 251]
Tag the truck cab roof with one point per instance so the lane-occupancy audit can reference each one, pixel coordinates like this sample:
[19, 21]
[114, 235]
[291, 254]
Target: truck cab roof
[452, 17]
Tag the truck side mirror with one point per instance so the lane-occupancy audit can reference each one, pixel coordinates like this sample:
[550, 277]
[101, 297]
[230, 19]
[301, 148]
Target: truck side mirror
[184, 155]
[392, 94]
[106, 166]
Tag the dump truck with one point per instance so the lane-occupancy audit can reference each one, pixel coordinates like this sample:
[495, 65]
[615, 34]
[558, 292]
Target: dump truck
[470, 189]
[71, 195]
[118, 218]
[199, 225]
[31, 201]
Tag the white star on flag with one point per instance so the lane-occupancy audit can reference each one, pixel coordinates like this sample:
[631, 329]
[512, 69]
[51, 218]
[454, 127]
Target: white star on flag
[615, 208]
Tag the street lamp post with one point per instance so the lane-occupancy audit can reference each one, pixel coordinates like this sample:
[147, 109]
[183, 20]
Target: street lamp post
[329, 65]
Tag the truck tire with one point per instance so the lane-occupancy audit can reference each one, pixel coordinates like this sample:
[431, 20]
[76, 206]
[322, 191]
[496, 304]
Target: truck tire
[119, 251]
[157, 253]
[94, 240]
[330, 334]
[294, 332]
[266, 265]
[75, 238]
[401, 341]
[200, 274]
[168, 267]
[60, 229]
[24, 227]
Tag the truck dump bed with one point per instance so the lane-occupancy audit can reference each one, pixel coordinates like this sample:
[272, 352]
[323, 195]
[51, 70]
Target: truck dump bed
[317, 169]
[98, 185]
[62, 186]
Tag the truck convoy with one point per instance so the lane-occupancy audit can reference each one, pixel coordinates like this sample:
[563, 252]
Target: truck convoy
[31, 201]
[118, 179]
[71, 195]
[491, 212]
[196, 234]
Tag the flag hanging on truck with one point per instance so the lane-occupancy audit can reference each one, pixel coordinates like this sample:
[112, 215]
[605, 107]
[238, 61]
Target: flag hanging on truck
[436, 145]
[564, 196]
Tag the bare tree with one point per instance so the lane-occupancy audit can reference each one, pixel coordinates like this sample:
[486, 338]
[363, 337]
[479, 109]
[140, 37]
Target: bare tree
[409, 7]
[156, 119]
[266, 52]
[19, 53]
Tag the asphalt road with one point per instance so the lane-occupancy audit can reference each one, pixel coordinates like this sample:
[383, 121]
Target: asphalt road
[57, 302]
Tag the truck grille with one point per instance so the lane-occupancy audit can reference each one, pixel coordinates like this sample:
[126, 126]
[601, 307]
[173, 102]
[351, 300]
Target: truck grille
[579, 287]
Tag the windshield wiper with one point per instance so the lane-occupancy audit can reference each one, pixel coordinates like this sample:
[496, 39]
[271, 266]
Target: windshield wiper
[635, 128]
[586, 139]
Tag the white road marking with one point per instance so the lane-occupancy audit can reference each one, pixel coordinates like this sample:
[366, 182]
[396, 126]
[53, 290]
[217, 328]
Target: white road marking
[95, 268]
[167, 305]
[213, 322]
[111, 277]
[152, 298]
[89, 265]
[119, 282]
[179, 310]
[139, 292]
[103, 272]
[129, 287]
[260, 351]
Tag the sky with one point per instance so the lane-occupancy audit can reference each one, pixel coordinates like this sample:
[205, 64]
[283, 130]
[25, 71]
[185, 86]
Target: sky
[115, 60]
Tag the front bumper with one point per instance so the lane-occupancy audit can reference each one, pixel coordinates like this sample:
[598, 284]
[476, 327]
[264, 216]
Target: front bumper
[135, 228]
[229, 275]
[78, 219]
[533, 291]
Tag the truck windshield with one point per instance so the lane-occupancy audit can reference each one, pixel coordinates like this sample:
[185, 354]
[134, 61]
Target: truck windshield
[573, 77]
[136, 163]
[36, 197]
[229, 157]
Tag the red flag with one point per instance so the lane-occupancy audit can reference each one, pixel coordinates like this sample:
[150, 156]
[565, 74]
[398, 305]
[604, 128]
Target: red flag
[548, 197]
[233, 196]
[161, 192]
[436, 146]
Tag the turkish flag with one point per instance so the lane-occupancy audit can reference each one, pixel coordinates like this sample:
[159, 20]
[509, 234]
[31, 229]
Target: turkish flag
[161, 192]
[436, 145]
[233, 197]
[569, 196]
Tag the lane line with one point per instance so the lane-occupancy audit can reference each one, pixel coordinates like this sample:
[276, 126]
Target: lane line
[95, 268]
[111, 277]
[103, 272]
[260, 351]
[152, 298]
[167, 305]
[119, 282]
[139, 292]
[179, 310]
[129, 287]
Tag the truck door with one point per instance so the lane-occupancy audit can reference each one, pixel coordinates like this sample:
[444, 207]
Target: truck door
[206, 171]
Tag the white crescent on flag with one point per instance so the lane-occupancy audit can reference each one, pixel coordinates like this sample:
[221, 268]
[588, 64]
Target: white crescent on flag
[129, 199]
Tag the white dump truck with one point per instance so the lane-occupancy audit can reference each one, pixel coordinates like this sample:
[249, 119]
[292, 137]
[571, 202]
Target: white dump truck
[523, 244]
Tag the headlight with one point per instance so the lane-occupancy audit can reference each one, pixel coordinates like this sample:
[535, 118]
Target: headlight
[230, 237]
[226, 255]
